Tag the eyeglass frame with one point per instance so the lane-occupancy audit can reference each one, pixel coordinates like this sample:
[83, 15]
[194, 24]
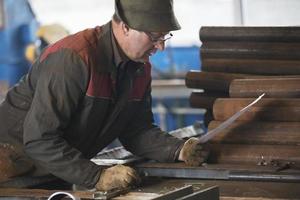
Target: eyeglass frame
[159, 40]
[155, 41]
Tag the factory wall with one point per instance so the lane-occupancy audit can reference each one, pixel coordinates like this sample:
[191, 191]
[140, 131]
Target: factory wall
[192, 14]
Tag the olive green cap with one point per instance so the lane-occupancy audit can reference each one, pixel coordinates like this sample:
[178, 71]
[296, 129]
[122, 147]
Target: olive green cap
[147, 15]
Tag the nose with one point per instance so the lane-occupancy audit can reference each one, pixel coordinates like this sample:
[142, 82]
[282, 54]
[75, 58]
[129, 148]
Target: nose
[160, 45]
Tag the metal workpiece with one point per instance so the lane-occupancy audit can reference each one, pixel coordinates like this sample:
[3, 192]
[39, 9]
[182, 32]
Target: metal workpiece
[157, 187]
[258, 132]
[113, 156]
[251, 66]
[265, 176]
[182, 172]
[210, 134]
[240, 190]
[170, 192]
[272, 87]
[177, 193]
[205, 99]
[211, 81]
[251, 154]
[254, 190]
[105, 195]
[262, 146]
[250, 50]
[251, 33]
[161, 189]
[220, 172]
[268, 109]
[211, 193]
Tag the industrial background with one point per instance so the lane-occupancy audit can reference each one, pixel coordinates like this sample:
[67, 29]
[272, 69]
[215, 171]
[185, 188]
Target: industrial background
[227, 53]
[182, 54]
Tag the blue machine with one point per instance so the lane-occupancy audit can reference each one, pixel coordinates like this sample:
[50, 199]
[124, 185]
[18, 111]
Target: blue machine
[172, 63]
[175, 62]
[18, 26]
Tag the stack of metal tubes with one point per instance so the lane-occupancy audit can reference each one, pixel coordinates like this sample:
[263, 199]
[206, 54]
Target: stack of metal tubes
[238, 65]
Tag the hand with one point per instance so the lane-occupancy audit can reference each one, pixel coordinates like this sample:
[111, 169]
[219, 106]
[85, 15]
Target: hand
[193, 153]
[12, 163]
[117, 177]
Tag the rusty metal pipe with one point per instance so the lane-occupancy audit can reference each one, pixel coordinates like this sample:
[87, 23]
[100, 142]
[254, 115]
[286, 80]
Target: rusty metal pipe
[251, 66]
[241, 132]
[255, 34]
[205, 99]
[211, 81]
[268, 109]
[250, 50]
[272, 87]
[218, 172]
[251, 154]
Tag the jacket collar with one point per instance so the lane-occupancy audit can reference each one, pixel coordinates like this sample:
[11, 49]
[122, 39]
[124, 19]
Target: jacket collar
[111, 55]
[105, 57]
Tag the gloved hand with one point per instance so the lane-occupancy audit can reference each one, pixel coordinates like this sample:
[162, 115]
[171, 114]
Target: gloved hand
[12, 163]
[193, 153]
[117, 177]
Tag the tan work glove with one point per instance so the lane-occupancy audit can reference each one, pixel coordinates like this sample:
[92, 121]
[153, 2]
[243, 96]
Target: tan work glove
[193, 153]
[117, 177]
[12, 163]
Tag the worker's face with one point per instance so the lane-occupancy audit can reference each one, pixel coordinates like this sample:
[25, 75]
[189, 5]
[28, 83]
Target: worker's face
[142, 45]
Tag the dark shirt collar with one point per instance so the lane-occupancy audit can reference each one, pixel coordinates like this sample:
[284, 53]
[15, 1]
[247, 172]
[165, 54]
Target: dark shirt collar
[112, 56]
[118, 55]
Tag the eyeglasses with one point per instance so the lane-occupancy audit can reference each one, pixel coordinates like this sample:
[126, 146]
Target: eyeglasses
[160, 39]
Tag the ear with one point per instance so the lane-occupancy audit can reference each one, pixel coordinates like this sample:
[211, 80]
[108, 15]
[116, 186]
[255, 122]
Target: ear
[125, 28]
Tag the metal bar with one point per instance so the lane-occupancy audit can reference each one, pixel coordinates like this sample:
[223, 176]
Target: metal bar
[218, 81]
[241, 190]
[273, 87]
[250, 50]
[211, 193]
[251, 66]
[252, 198]
[110, 194]
[257, 132]
[184, 173]
[268, 109]
[205, 138]
[217, 173]
[211, 81]
[205, 99]
[251, 154]
[186, 190]
[258, 176]
[261, 34]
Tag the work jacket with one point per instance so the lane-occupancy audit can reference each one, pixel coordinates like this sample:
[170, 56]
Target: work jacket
[68, 108]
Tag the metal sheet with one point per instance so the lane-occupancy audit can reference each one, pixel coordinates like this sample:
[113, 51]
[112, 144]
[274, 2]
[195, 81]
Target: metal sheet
[211, 193]
[118, 155]
[212, 133]
[177, 193]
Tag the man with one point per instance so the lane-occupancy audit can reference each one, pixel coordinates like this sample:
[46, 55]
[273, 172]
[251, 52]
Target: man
[87, 90]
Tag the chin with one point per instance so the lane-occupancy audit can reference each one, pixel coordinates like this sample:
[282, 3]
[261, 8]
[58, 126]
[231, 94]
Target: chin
[143, 59]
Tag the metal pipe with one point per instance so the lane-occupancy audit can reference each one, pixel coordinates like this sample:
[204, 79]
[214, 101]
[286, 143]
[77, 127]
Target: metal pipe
[272, 87]
[258, 132]
[268, 109]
